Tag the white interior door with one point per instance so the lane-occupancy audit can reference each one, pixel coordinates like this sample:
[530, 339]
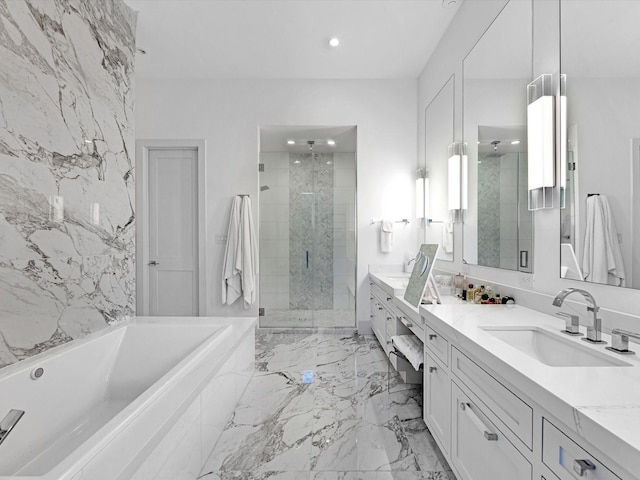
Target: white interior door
[173, 240]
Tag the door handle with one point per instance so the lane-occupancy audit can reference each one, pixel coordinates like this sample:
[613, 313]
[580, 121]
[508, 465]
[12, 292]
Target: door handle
[154, 263]
[307, 259]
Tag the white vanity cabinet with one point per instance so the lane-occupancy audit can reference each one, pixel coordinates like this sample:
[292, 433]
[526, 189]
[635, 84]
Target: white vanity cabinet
[437, 400]
[489, 428]
[479, 450]
[467, 430]
[388, 320]
[567, 459]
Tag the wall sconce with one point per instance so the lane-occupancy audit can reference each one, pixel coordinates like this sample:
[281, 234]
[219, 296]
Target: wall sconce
[540, 133]
[563, 141]
[422, 192]
[457, 176]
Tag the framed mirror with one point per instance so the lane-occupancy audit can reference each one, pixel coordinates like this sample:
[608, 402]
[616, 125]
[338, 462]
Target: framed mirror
[498, 228]
[600, 162]
[439, 131]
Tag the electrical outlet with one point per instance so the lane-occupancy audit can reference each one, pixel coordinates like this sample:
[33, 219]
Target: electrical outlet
[221, 239]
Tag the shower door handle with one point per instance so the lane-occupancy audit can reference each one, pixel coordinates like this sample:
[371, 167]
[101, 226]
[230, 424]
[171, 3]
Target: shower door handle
[307, 259]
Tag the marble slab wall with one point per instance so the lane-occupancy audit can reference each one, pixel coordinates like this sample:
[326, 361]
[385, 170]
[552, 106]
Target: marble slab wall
[489, 212]
[66, 171]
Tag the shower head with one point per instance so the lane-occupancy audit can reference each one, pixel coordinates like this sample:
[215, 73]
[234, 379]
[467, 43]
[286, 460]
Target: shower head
[495, 153]
[264, 187]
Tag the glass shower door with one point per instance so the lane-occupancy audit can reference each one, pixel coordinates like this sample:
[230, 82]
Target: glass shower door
[311, 200]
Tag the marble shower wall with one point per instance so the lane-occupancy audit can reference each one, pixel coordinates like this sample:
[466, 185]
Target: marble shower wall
[66, 171]
[489, 212]
[311, 231]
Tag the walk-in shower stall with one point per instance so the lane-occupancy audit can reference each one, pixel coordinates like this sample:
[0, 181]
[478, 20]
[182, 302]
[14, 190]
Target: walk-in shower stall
[307, 227]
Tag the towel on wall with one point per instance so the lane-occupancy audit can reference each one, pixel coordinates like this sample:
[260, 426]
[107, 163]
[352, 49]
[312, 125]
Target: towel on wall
[447, 236]
[240, 263]
[386, 236]
[231, 280]
[248, 253]
[602, 257]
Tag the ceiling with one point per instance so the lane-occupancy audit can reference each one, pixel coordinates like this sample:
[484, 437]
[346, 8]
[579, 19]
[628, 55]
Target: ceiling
[288, 39]
[274, 139]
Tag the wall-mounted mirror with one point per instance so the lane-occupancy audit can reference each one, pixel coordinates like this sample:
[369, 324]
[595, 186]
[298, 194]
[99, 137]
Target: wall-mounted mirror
[439, 124]
[600, 198]
[498, 228]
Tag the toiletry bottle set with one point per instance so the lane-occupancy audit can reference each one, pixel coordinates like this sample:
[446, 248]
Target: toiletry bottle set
[484, 295]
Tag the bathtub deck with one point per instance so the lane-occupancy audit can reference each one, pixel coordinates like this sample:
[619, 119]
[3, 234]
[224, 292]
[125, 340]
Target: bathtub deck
[74, 435]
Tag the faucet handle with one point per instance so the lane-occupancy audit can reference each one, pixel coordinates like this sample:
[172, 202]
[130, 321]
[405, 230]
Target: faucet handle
[572, 323]
[620, 341]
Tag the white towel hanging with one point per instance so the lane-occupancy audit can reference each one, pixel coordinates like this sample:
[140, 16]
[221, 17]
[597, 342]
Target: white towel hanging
[386, 236]
[231, 280]
[602, 257]
[248, 253]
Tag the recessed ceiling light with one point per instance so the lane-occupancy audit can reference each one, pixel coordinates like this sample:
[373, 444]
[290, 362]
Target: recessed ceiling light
[334, 42]
[296, 161]
[331, 142]
[449, 3]
[291, 142]
[515, 142]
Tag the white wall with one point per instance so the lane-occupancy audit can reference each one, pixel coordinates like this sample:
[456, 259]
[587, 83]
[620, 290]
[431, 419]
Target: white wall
[537, 290]
[227, 114]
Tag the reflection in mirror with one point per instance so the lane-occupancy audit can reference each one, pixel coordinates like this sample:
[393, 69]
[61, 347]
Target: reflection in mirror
[498, 228]
[439, 121]
[600, 211]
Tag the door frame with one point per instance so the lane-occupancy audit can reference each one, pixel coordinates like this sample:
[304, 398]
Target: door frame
[142, 214]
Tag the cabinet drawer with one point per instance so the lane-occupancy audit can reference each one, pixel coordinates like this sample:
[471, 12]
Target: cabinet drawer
[567, 459]
[438, 344]
[381, 294]
[437, 401]
[504, 404]
[479, 450]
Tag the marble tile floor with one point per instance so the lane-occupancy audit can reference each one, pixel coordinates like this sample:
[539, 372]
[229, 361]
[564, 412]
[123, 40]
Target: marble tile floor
[286, 318]
[324, 406]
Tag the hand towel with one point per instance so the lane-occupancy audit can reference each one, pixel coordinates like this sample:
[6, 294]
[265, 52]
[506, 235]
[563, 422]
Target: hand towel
[386, 236]
[231, 280]
[411, 347]
[602, 256]
[248, 254]
[447, 236]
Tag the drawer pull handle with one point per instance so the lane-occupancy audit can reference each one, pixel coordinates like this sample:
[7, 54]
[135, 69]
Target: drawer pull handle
[404, 321]
[582, 466]
[490, 436]
[389, 318]
[389, 299]
[388, 342]
[379, 308]
[432, 336]
[432, 369]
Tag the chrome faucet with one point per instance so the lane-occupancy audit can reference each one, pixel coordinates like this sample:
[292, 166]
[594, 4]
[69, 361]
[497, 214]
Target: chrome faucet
[594, 331]
[8, 422]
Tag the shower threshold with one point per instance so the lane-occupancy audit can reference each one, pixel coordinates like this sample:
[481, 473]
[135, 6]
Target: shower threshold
[285, 318]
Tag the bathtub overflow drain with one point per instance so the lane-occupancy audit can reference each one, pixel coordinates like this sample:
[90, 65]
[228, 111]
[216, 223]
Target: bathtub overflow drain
[36, 373]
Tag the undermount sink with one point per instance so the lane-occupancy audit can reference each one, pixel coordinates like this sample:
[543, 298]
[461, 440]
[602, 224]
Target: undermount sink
[552, 349]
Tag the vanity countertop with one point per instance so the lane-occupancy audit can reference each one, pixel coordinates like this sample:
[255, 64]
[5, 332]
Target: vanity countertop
[601, 404]
[393, 283]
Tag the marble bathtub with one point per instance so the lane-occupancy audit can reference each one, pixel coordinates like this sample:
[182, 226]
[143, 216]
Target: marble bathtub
[145, 399]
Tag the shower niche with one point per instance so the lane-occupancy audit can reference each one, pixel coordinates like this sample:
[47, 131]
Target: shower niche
[307, 228]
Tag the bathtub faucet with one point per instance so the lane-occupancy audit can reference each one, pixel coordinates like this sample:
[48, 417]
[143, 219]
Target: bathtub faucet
[8, 422]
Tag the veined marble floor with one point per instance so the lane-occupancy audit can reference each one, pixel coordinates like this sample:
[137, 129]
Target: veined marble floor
[324, 406]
